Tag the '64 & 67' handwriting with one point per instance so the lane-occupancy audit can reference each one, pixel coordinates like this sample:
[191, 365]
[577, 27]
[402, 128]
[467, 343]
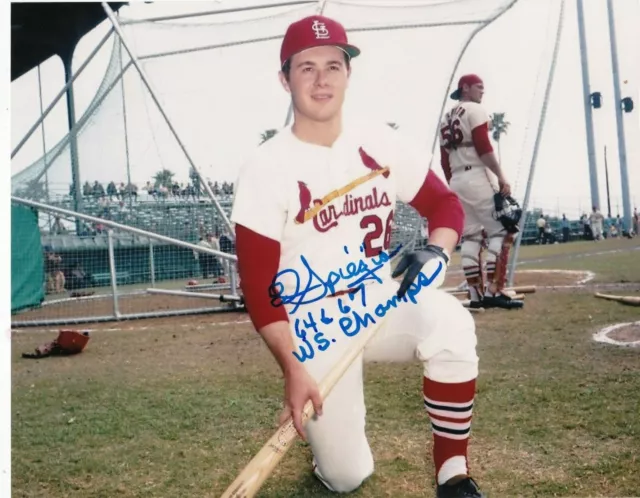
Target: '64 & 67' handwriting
[351, 321]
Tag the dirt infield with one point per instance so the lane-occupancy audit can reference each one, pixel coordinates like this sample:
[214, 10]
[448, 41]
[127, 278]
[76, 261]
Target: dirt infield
[530, 277]
[628, 333]
[140, 302]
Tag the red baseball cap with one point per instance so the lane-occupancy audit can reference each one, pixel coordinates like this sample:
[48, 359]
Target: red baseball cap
[315, 31]
[467, 79]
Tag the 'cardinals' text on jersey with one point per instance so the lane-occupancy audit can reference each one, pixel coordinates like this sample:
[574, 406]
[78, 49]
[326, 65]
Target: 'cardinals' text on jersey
[331, 205]
[456, 134]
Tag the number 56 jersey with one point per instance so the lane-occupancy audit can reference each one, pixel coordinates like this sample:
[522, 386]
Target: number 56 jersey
[456, 134]
[328, 207]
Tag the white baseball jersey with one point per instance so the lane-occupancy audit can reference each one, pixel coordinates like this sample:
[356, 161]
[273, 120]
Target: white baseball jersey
[353, 186]
[456, 129]
[596, 217]
[329, 205]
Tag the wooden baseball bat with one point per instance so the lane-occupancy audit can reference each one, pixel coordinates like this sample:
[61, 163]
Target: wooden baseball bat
[342, 191]
[251, 478]
[631, 300]
[523, 289]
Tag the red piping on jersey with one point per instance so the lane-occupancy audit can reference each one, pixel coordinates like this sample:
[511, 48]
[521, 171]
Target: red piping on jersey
[444, 162]
[439, 205]
[258, 261]
[481, 142]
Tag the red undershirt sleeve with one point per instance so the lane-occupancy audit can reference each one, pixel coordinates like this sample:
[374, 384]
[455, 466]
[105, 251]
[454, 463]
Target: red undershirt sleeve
[439, 205]
[258, 262]
[444, 162]
[481, 142]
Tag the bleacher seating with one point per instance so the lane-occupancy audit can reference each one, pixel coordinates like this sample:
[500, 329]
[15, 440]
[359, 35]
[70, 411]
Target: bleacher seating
[185, 218]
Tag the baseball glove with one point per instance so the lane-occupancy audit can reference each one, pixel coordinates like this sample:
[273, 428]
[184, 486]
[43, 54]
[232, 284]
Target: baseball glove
[68, 342]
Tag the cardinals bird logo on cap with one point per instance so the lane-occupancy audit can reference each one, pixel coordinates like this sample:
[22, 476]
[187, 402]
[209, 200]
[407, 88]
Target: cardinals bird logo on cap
[320, 29]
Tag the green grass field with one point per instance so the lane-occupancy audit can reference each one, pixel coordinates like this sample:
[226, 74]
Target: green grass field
[178, 408]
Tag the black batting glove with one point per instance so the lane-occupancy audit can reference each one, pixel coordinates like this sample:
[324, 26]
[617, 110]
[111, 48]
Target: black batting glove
[431, 257]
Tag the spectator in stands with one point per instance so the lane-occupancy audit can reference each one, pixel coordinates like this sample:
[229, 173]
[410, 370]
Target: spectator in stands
[565, 229]
[226, 245]
[162, 192]
[53, 271]
[214, 243]
[87, 191]
[105, 210]
[205, 260]
[132, 190]
[97, 190]
[196, 186]
[541, 224]
[150, 189]
[112, 191]
[79, 278]
[190, 191]
[85, 229]
[58, 228]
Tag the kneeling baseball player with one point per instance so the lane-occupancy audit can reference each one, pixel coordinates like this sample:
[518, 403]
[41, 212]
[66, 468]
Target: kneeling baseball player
[473, 172]
[313, 212]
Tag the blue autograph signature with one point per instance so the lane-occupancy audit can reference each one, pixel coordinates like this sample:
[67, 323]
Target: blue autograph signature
[351, 322]
[354, 274]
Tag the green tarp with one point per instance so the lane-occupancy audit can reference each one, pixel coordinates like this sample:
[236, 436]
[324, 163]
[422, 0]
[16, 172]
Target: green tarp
[27, 268]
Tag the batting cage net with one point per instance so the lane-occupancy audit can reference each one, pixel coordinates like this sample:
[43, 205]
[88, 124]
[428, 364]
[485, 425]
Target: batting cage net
[114, 272]
[182, 100]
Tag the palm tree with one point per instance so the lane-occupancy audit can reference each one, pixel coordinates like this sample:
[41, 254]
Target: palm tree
[33, 190]
[163, 177]
[268, 135]
[498, 127]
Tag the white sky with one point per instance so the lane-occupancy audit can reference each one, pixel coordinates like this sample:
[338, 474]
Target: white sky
[221, 100]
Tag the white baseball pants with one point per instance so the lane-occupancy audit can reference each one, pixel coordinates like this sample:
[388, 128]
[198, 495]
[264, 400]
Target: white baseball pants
[476, 188]
[436, 330]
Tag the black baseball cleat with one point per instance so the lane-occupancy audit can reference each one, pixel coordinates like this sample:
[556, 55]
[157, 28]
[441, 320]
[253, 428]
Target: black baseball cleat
[475, 305]
[501, 301]
[467, 488]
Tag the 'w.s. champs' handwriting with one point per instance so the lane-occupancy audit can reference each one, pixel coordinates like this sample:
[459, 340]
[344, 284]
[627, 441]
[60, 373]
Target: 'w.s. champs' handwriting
[350, 321]
[312, 287]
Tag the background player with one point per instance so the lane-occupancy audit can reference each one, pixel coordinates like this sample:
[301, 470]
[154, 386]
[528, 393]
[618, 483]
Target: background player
[473, 172]
[326, 191]
[597, 222]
